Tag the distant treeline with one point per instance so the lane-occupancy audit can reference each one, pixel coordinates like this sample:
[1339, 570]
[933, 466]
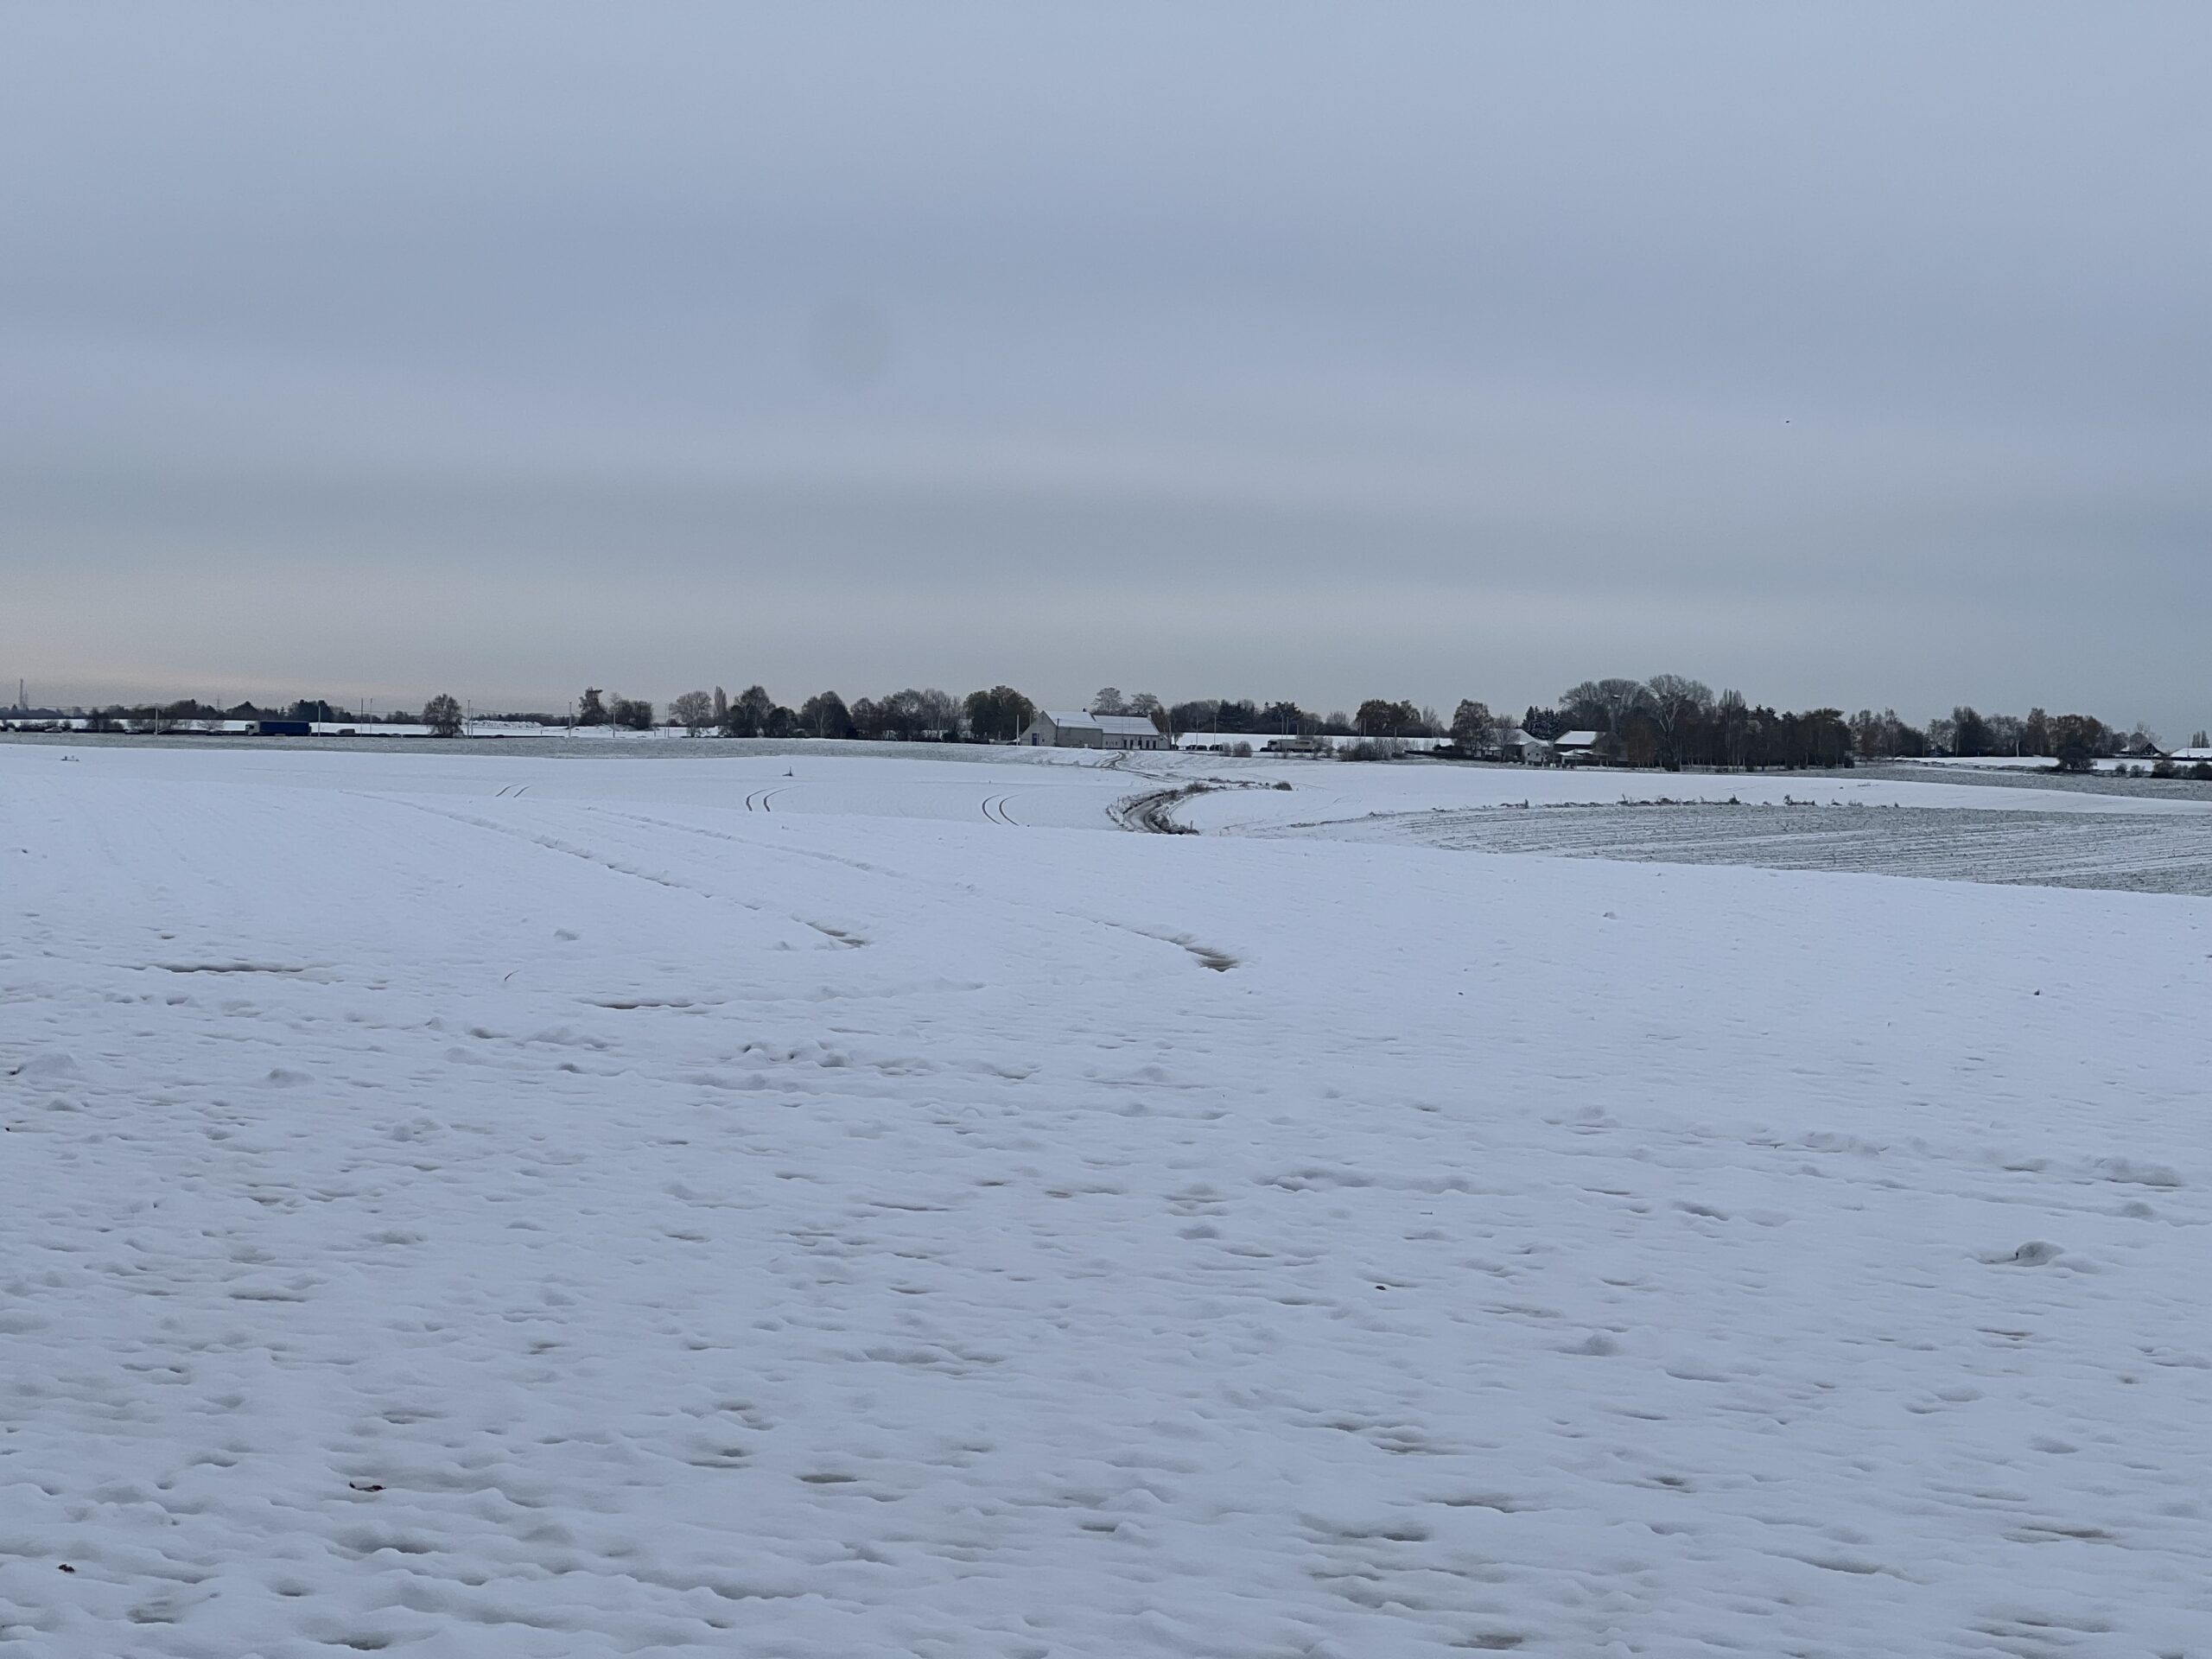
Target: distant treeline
[188, 713]
[994, 717]
[1669, 721]
[1672, 721]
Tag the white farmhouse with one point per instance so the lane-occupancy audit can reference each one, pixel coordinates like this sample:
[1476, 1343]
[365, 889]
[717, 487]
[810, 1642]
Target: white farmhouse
[1529, 750]
[1051, 730]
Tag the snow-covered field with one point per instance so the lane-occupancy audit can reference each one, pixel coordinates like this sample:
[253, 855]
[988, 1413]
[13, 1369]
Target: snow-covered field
[2037, 763]
[2165, 853]
[1879, 823]
[1331, 791]
[463, 1204]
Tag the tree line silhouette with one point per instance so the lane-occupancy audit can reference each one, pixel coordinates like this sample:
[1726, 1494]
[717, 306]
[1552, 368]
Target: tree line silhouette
[1669, 721]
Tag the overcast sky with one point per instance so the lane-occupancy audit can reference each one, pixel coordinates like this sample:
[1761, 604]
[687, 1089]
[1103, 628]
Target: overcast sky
[1846, 355]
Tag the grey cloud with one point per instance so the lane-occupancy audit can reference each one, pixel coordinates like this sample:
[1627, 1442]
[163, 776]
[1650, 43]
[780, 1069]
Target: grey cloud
[1438, 350]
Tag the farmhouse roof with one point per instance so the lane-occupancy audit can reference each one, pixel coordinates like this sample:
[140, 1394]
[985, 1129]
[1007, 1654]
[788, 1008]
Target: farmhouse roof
[1577, 740]
[1112, 725]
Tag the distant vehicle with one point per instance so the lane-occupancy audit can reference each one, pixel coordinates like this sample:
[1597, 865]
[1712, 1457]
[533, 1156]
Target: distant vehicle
[284, 728]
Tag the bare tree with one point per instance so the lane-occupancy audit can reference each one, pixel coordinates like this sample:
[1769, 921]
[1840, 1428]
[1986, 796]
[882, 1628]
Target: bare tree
[1380, 717]
[1622, 698]
[2008, 733]
[1969, 732]
[1733, 716]
[441, 713]
[824, 715]
[694, 711]
[1603, 703]
[998, 715]
[1582, 696]
[912, 715]
[1673, 702]
[1473, 727]
[1869, 737]
[940, 715]
[902, 716]
[2078, 740]
[1109, 702]
[750, 714]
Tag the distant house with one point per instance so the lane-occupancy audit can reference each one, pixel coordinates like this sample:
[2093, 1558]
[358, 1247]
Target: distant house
[1057, 730]
[1518, 744]
[1577, 748]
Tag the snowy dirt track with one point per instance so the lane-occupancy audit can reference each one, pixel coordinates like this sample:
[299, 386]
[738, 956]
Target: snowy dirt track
[445, 1217]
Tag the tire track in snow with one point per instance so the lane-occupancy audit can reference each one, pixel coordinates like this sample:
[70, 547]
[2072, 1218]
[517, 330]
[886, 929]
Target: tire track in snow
[1205, 955]
[553, 845]
[839, 938]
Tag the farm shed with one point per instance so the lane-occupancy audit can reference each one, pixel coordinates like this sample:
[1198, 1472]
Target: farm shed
[1051, 730]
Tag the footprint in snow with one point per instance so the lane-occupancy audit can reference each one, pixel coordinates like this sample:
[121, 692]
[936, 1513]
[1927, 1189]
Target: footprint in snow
[52, 1063]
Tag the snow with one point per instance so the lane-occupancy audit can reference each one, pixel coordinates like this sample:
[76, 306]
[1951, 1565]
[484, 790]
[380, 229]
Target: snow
[1224, 741]
[2167, 852]
[1333, 791]
[1987, 762]
[468, 1204]
[2039, 762]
